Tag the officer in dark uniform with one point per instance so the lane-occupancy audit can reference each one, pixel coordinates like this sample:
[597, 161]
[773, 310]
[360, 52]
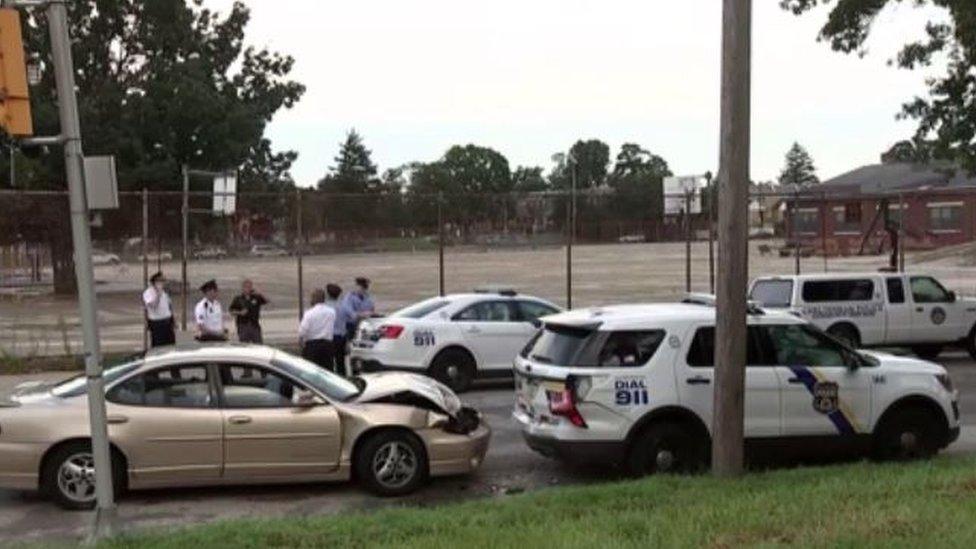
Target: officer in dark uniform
[246, 309]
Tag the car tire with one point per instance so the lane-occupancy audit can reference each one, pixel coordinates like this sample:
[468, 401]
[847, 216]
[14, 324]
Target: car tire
[68, 477]
[908, 434]
[846, 333]
[454, 368]
[392, 463]
[927, 352]
[667, 447]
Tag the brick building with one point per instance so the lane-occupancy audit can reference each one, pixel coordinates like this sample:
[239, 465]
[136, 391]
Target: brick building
[932, 205]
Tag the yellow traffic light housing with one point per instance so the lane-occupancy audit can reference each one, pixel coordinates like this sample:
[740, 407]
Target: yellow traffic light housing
[15, 112]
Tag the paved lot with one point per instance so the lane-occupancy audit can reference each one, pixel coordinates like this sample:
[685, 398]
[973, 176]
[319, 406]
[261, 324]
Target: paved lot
[510, 467]
[609, 273]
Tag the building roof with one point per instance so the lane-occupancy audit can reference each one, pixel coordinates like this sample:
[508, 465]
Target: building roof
[897, 176]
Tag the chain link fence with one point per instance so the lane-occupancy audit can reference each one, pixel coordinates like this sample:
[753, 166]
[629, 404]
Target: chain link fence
[596, 247]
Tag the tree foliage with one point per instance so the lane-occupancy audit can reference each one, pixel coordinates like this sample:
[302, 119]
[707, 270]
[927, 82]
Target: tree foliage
[947, 117]
[354, 172]
[799, 169]
[638, 181]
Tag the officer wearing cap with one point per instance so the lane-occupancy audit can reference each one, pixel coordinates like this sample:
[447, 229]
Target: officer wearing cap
[159, 312]
[360, 303]
[209, 315]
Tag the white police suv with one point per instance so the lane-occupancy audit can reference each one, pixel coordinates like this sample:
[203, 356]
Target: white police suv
[632, 385]
[453, 338]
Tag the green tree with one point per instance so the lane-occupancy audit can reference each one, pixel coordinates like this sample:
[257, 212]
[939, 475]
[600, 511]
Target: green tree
[529, 179]
[160, 84]
[799, 169]
[907, 151]
[354, 172]
[638, 183]
[948, 116]
[591, 159]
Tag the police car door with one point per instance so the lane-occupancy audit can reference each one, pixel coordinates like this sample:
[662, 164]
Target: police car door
[825, 392]
[491, 330]
[935, 316]
[695, 370]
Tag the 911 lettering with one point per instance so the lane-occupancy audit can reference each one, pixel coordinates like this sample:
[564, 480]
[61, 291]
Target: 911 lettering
[423, 338]
[630, 392]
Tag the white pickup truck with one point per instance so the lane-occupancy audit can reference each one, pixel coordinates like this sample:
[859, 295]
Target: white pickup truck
[876, 309]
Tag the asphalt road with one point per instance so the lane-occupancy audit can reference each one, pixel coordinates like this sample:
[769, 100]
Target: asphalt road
[509, 468]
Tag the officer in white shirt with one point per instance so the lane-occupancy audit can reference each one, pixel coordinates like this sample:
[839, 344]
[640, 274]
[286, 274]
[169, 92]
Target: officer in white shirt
[159, 312]
[315, 331]
[209, 315]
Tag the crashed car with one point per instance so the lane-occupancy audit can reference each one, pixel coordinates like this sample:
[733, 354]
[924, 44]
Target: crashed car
[230, 414]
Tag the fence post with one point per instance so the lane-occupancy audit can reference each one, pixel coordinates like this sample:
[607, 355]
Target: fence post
[186, 237]
[712, 196]
[823, 227]
[901, 232]
[795, 233]
[145, 258]
[688, 241]
[440, 243]
[570, 227]
[299, 252]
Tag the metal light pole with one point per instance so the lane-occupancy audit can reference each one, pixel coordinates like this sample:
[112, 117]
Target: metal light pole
[185, 210]
[571, 233]
[73, 158]
[730, 333]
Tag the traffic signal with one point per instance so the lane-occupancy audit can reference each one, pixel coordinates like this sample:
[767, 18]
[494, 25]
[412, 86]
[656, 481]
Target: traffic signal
[15, 113]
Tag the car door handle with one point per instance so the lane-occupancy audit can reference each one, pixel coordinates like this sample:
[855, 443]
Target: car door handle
[115, 420]
[239, 420]
[794, 380]
[698, 380]
[919, 309]
[474, 330]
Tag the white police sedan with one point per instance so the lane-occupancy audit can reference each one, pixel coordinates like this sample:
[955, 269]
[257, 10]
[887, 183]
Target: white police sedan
[454, 338]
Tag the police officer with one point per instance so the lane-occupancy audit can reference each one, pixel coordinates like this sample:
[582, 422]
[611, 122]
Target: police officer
[340, 334]
[159, 312]
[246, 309]
[315, 331]
[360, 303]
[209, 315]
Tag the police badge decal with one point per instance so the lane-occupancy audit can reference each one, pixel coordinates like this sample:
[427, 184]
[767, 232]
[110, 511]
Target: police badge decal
[825, 397]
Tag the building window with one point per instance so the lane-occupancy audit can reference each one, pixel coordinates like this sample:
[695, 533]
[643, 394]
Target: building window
[847, 218]
[807, 221]
[945, 216]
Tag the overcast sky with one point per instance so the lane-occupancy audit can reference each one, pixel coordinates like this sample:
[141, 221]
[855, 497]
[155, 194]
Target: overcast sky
[529, 77]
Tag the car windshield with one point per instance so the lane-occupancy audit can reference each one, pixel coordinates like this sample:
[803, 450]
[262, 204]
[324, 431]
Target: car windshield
[77, 385]
[332, 385]
[422, 309]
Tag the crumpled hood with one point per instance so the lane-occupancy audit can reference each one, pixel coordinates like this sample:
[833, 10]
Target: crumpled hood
[906, 364]
[384, 384]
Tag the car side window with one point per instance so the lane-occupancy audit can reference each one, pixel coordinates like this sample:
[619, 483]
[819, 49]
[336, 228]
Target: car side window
[896, 290]
[630, 348]
[799, 345]
[701, 352]
[246, 386]
[167, 387]
[926, 289]
[487, 311]
[816, 291]
[530, 311]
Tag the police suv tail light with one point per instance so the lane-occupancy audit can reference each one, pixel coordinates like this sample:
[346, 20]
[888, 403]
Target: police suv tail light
[563, 403]
[390, 331]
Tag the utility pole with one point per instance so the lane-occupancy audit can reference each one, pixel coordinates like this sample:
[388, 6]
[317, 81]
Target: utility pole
[440, 244]
[299, 252]
[70, 138]
[571, 233]
[145, 259]
[185, 290]
[730, 333]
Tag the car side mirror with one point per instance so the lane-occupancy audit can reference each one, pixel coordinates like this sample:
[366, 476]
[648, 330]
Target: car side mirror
[536, 322]
[952, 297]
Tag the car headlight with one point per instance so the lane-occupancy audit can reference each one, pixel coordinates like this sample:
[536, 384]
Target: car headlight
[945, 381]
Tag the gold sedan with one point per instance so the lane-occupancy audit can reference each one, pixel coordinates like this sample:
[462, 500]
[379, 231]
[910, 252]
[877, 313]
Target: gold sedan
[238, 414]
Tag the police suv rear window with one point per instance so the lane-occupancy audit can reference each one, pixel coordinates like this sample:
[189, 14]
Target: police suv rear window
[838, 290]
[579, 347]
[772, 293]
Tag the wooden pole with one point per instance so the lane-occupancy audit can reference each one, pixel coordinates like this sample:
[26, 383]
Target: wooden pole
[184, 294]
[824, 209]
[730, 333]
